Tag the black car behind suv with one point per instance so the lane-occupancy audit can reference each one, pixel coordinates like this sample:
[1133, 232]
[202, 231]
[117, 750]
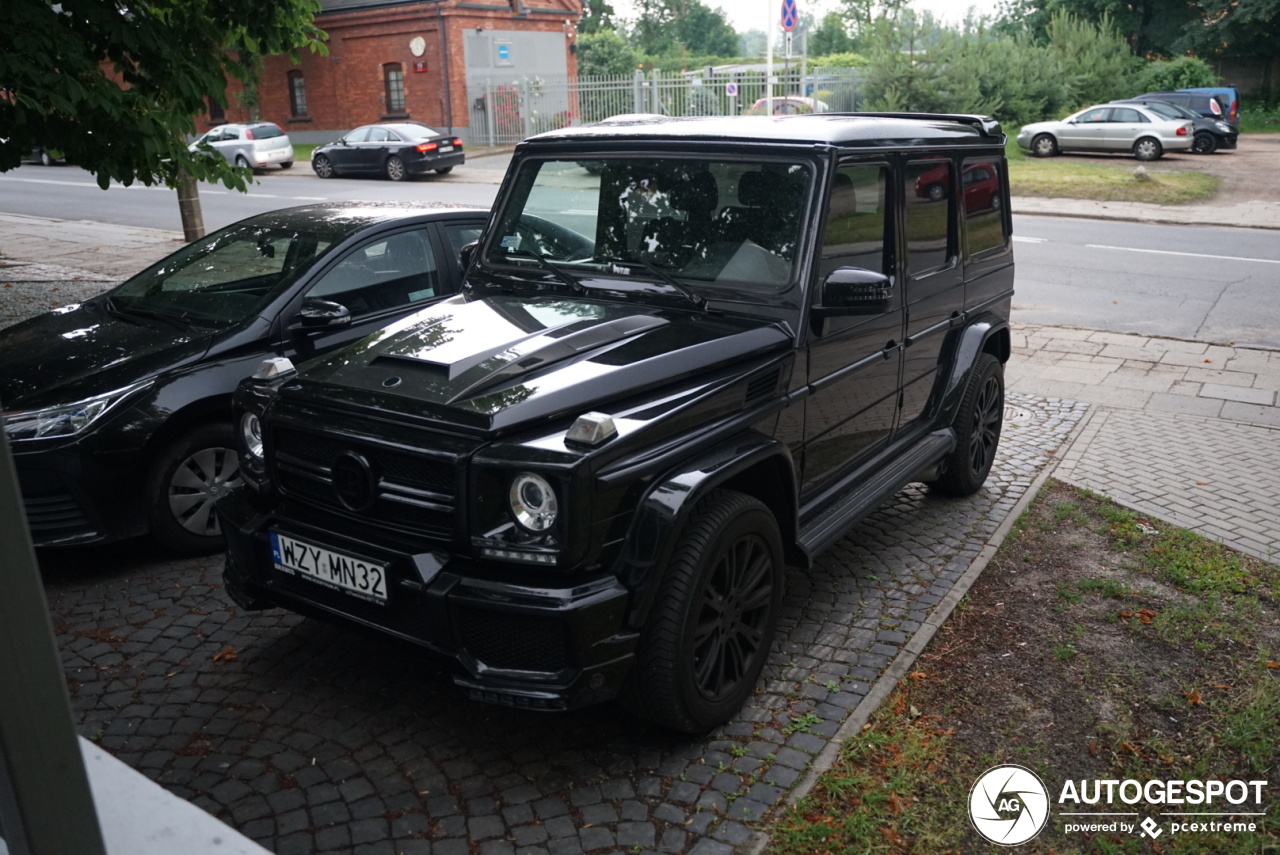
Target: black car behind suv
[1210, 134]
[687, 353]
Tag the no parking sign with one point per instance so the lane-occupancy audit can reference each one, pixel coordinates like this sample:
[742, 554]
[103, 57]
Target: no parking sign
[790, 15]
[731, 89]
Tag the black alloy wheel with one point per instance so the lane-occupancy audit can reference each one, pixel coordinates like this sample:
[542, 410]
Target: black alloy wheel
[1204, 143]
[977, 426]
[712, 626]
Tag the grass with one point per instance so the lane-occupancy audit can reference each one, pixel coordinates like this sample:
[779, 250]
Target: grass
[901, 786]
[302, 153]
[1259, 119]
[1109, 180]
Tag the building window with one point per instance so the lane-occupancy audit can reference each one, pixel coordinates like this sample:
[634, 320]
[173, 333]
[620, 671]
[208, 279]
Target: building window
[297, 93]
[216, 113]
[393, 82]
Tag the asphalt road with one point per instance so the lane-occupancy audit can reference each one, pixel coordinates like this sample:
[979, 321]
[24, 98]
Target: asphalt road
[1190, 282]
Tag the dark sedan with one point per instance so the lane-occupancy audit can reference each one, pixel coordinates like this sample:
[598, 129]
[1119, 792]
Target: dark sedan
[118, 408]
[1210, 134]
[396, 150]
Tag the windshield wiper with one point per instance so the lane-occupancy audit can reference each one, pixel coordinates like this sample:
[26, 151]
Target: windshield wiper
[658, 273]
[133, 313]
[554, 268]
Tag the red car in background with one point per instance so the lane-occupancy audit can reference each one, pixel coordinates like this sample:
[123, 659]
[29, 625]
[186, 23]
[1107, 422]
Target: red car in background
[980, 182]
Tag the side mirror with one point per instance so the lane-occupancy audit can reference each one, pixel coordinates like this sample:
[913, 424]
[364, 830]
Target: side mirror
[854, 291]
[467, 254]
[319, 314]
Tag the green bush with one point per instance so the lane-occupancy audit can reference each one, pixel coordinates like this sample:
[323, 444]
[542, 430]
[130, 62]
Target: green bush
[1185, 72]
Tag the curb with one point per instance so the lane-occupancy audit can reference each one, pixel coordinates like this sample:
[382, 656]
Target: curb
[907, 657]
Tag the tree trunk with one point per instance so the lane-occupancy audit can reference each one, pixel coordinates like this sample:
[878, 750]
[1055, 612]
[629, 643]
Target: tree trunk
[189, 208]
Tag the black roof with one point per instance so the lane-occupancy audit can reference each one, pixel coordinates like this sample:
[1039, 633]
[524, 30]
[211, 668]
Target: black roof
[838, 129]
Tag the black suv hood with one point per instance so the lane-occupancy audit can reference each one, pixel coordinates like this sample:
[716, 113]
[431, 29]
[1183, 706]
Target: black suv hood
[83, 350]
[500, 361]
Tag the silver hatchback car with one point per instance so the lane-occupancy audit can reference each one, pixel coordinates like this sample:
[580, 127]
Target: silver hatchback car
[254, 144]
[1109, 128]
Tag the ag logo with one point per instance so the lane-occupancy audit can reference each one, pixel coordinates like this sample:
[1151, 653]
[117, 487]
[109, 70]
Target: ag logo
[1009, 805]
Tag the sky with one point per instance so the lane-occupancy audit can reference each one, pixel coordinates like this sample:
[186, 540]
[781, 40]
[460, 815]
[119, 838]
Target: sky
[754, 14]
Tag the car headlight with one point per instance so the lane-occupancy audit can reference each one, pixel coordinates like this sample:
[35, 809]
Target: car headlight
[251, 435]
[66, 420]
[1223, 127]
[533, 502]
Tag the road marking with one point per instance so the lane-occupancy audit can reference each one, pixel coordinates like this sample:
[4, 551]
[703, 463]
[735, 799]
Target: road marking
[113, 184]
[1029, 239]
[1186, 254]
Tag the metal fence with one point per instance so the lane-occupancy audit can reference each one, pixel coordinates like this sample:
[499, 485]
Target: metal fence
[508, 111]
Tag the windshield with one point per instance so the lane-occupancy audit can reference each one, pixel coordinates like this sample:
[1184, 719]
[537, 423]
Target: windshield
[228, 276]
[730, 227]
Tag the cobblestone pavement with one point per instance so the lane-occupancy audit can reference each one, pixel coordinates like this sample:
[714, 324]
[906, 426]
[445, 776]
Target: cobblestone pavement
[311, 738]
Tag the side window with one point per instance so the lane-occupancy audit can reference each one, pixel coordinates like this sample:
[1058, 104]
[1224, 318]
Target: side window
[1126, 115]
[358, 135]
[297, 93]
[393, 84]
[459, 236]
[378, 135]
[855, 231]
[984, 221]
[231, 133]
[1098, 115]
[392, 272]
[928, 215]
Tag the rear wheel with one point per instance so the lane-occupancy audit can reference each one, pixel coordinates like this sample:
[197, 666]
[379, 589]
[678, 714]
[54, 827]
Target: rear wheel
[186, 478]
[444, 170]
[286, 164]
[1147, 149]
[395, 168]
[977, 428]
[45, 158]
[996, 201]
[241, 161]
[322, 166]
[1044, 146]
[1205, 143]
[712, 625]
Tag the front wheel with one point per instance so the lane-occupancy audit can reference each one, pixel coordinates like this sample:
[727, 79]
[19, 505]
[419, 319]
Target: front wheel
[996, 202]
[186, 478]
[936, 192]
[322, 166]
[1204, 143]
[712, 625]
[395, 168]
[1044, 146]
[1147, 149]
[45, 158]
[977, 427]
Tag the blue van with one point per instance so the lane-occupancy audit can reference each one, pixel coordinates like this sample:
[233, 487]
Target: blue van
[1227, 96]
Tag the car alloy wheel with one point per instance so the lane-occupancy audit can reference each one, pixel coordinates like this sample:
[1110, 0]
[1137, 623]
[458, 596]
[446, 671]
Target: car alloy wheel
[395, 168]
[977, 425]
[1147, 149]
[937, 192]
[322, 166]
[1204, 143]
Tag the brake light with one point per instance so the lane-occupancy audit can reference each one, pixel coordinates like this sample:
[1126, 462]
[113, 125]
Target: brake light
[1214, 107]
[1235, 105]
[457, 142]
[428, 146]
[1182, 131]
[248, 133]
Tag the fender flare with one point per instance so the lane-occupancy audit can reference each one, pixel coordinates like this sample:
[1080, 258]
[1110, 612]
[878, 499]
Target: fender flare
[973, 341]
[660, 516]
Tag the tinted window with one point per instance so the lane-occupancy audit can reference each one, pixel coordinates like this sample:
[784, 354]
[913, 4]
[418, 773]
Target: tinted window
[460, 235]
[377, 135]
[1126, 114]
[392, 272]
[854, 234]
[928, 221]
[266, 132]
[984, 220]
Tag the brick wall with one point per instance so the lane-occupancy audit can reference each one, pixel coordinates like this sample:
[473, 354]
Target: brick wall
[346, 88]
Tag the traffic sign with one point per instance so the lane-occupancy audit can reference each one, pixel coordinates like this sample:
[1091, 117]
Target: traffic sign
[790, 15]
[731, 89]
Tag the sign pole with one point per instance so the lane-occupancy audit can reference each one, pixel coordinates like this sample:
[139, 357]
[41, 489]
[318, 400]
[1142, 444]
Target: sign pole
[768, 74]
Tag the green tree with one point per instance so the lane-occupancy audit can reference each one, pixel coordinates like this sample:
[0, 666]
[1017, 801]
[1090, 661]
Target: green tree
[597, 15]
[116, 86]
[605, 53]
[1234, 28]
[683, 26]
[1184, 72]
[830, 36]
[1094, 57]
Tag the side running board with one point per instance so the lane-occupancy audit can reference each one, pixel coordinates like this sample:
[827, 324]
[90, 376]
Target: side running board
[866, 496]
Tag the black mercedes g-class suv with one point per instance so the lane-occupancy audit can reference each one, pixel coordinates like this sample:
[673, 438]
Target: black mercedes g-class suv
[688, 352]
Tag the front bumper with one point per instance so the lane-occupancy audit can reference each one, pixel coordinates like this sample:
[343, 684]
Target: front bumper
[539, 642]
[75, 496]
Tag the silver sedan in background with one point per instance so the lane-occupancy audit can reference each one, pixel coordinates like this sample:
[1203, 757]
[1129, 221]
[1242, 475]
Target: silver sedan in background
[1111, 128]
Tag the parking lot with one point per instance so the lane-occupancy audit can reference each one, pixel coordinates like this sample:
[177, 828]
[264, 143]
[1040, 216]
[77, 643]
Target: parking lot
[312, 738]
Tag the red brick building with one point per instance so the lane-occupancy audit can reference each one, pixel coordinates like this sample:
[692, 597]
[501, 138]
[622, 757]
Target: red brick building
[422, 60]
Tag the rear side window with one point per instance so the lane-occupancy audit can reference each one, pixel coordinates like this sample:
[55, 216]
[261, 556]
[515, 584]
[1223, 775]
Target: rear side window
[984, 220]
[1126, 115]
[928, 219]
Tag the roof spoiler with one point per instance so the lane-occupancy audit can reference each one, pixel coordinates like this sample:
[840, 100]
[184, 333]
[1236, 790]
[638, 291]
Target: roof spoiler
[986, 125]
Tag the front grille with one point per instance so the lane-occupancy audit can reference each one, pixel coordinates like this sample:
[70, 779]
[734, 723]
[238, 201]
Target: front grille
[414, 492]
[514, 641]
[57, 515]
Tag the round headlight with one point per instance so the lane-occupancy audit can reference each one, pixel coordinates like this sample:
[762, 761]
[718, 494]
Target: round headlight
[251, 433]
[533, 502]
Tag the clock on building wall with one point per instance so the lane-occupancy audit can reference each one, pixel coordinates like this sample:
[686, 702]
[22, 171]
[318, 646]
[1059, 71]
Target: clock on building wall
[417, 46]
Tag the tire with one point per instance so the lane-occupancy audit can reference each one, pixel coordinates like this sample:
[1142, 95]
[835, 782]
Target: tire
[395, 168]
[936, 192]
[444, 170]
[1044, 146]
[242, 162]
[322, 166]
[286, 164]
[711, 627]
[186, 478]
[1204, 143]
[45, 158]
[1147, 148]
[977, 426]
[996, 202]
